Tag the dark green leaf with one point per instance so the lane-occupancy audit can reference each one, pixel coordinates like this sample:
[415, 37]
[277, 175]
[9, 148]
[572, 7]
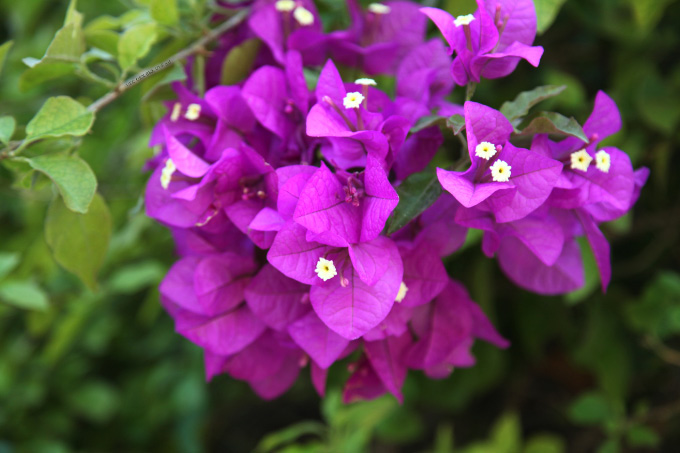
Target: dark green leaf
[590, 408]
[416, 194]
[95, 400]
[43, 71]
[135, 43]
[517, 109]
[4, 49]
[456, 122]
[23, 294]
[60, 115]
[75, 180]
[428, 121]
[546, 11]
[642, 436]
[554, 123]
[239, 62]
[79, 241]
[7, 125]
[545, 443]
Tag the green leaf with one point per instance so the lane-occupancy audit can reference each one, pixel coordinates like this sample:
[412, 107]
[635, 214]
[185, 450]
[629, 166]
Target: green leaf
[239, 62]
[416, 194]
[8, 261]
[136, 277]
[7, 125]
[590, 408]
[554, 123]
[545, 443]
[79, 241]
[60, 115]
[518, 108]
[135, 43]
[106, 40]
[274, 441]
[75, 179]
[456, 122]
[43, 71]
[648, 13]
[95, 400]
[642, 436]
[4, 50]
[68, 44]
[23, 294]
[507, 434]
[72, 15]
[164, 11]
[546, 11]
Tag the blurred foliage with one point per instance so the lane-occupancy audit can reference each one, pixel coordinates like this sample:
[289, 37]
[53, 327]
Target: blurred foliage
[102, 370]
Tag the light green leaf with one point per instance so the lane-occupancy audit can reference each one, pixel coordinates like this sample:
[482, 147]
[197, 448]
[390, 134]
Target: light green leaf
[72, 15]
[4, 49]
[135, 43]
[7, 125]
[8, 261]
[546, 11]
[590, 408]
[518, 108]
[554, 123]
[23, 294]
[136, 277]
[275, 441]
[416, 194]
[68, 44]
[507, 434]
[164, 11]
[106, 40]
[75, 179]
[60, 115]
[239, 62]
[79, 241]
[44, 70]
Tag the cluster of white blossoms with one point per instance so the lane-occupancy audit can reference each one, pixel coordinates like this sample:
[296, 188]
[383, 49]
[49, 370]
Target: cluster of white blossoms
[580, 160]
[325, 269]
[166, 173]
[301, 14]
[485, 150]
[463, 20]
[353, 100]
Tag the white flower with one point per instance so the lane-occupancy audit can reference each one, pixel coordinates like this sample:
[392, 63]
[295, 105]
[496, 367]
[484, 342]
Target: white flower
[365, 81]
[463, 20]
[353, 100]
[603, 160]
[176, 110]
[485, 150]
[166, 173]
[285, 5]
[379, 8]
[500, 171]
[403, 289]
[580, 160]
[303, 16]
[325, 269]
[193, 112]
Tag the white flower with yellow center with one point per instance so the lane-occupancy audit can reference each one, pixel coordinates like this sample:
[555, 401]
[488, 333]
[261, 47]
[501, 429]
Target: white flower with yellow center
[603, 161]
[303, 16]
[379, 8]
[176, 111]
[325, 269]
[285, 6]
[353, 100]
[500, 171]
[463, 20]
[193, 112]
[365, 82]
[485, 150]
[403, 289]
[166, 173]
[580, 160]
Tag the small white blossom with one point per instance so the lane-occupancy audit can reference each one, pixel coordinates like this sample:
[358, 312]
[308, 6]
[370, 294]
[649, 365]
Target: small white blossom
[365, 81]
[603, 161]
[193, 112]
[176, 111]
[500, 171]
[353, 100]
[580, 160]
[379, 8]
[403, 289]
[325, 269]
[463, 20]
[485, 150]
[303, 16]
[166, 173]
[285, 5]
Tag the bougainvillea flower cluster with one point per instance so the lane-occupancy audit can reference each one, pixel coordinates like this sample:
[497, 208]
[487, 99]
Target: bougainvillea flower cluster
[278, 195]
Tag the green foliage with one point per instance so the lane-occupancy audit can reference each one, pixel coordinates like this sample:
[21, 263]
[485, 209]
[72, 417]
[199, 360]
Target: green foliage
[546, 11]
[23, 294]
[4, 49]
[135, 43]
[416, 194]
[59, 116]
[517, 109]
[79, 241]
[7, 125]
[554, 123]
[239, 62]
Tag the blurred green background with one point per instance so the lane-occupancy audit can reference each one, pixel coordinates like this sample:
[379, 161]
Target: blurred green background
[104, 371]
